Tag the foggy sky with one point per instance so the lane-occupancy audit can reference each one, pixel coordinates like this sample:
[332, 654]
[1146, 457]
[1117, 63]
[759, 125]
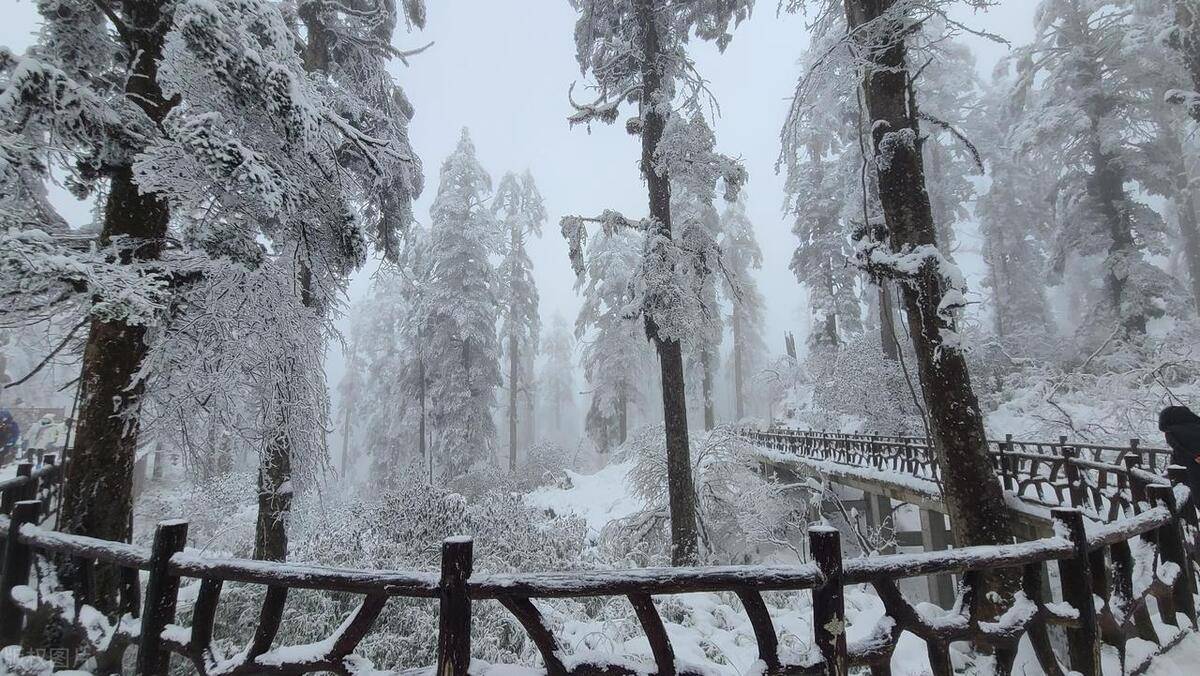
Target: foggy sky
[502, 69]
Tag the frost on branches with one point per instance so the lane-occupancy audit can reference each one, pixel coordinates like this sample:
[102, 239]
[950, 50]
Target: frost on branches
[458, 312]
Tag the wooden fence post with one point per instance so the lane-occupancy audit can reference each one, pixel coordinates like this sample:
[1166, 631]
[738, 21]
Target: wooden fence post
[17, 560]
[1075, 575]
[14, 495]
[1072, 474]
[162, 591]
[454, 619]
[1171, 548]
[1137, 487]
[829, 606]
[1006, 470]
[1135, 452]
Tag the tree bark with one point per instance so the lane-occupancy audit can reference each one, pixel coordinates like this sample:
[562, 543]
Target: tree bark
[1187, 42]
[970, 489]
[684, 535]
[274, 499]
[706, 387]
[346, 436]
[513, 367]
[98, 496]
[622, 416]
[887, 323]
[739, 403]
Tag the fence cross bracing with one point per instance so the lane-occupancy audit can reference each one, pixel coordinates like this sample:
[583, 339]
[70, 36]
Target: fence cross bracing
[1140, 557]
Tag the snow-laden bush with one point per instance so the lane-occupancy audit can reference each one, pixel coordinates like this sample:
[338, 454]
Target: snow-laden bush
[743, 514]
[1109, 396]
[857, 389]
[402, 529]
[545, 464]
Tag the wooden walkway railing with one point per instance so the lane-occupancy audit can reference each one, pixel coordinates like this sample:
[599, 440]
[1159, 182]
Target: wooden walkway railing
[1108, 481]
[1149, 552]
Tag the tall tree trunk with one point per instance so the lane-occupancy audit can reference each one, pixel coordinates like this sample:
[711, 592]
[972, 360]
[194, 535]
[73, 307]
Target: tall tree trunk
[969, 487]
[422, 448]
[1107, 187]
[274, 498]
[513, 367]
[739, 402]
[98, 497]
[622, 415]
[346, 436]
[887, 323]
[684, 534]
[275, 466]
[1187, 41]
[1189, 228]
[706, 387]
[514, 363]
[1184, 198]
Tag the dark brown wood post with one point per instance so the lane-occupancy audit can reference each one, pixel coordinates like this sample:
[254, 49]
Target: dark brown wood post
[454, 620]
[1136, 452]
[1006, 471]
[17, 560]
[1137, 487]
[1076, 578]
[162, 591]
[1071, 472]
[14, 495]
[829, 606]
[1171, 548]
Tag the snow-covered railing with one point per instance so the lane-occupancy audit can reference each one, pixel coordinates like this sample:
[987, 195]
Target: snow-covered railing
[1107, 572]
[33, 481]
[1102, 479]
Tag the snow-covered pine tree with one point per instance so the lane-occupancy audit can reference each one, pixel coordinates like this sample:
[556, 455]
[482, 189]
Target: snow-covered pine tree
[742, 257]
[204, 111]
[1016, 216]
[1184, 37]
[557, 382]
[880, 42]
[612, 342]
[91, 86]
[521, 212]
[636, 51]
[825, 193]
[951, 96]
[391, 403]
[1078, 110]
[688, 155]
[458, 312]
[1167, 157]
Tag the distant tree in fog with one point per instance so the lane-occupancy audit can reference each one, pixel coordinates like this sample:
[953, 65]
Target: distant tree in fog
[456, 318]
[742, 256]
[521, 212]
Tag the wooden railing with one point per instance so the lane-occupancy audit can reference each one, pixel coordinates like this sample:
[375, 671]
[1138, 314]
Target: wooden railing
[1149, 552]
[1107, 481]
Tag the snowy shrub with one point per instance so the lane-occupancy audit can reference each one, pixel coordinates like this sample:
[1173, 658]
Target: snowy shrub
[1110, 396]
[856, 388]
[743, 514]
[402, 529]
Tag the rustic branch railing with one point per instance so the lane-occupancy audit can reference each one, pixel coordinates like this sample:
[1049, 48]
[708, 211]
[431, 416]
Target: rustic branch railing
[1149, 552]
[1100, 479]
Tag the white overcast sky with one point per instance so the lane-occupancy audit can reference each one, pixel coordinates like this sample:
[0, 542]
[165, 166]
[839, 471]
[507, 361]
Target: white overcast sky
[502, 68]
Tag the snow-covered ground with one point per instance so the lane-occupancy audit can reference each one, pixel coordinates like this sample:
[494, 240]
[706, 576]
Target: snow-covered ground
[712, 633]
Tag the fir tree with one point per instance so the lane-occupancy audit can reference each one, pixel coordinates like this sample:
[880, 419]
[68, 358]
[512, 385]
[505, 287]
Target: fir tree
[518, 206]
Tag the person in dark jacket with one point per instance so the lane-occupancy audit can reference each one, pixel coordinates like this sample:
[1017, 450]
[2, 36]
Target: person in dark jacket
[1182, 429]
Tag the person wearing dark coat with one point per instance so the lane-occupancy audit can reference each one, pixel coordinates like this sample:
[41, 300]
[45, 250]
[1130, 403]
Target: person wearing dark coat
[1182, 429]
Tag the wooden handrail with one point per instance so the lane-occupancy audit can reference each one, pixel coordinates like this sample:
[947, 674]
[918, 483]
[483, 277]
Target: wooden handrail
[1158, 515]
